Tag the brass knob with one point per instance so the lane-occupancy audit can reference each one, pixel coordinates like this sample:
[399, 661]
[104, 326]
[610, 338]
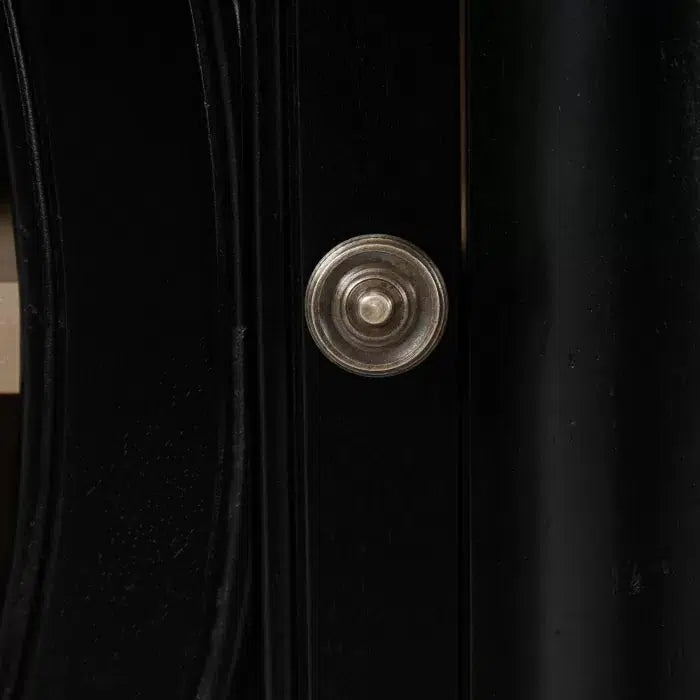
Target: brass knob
[376, 305]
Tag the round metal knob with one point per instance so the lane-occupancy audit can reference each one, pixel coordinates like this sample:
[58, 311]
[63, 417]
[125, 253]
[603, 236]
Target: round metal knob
[376, 305]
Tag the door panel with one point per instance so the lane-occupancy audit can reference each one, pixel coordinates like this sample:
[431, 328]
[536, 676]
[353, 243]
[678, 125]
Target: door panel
[379, 136]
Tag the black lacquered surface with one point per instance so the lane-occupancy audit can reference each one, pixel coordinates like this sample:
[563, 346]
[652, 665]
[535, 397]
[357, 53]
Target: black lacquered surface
[379, 153]
[585, 376]
[114, 562]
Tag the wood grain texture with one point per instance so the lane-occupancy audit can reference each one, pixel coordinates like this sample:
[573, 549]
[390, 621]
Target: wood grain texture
[9, 338]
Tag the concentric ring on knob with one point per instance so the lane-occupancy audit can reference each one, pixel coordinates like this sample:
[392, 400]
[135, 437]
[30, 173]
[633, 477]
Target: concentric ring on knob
[376, 305]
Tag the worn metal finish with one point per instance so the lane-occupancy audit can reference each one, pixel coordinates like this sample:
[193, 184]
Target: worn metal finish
[376, 305]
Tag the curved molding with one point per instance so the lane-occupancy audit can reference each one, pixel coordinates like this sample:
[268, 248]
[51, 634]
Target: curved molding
[39, 268]
[245, 631]
[218, 40]
[247, 54]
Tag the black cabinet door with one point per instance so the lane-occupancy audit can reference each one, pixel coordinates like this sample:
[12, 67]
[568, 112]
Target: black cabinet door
[208, 507]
